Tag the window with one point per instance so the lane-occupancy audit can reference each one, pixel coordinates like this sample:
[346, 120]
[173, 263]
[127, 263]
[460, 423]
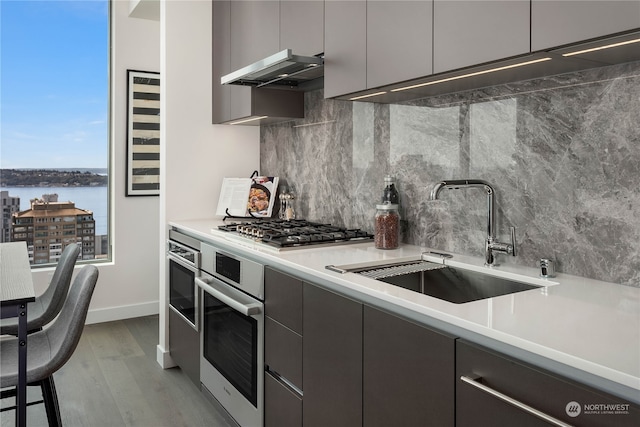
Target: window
[54, 123]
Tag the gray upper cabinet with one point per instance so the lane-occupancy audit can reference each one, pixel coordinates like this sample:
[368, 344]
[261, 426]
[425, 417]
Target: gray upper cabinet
[302, 27]
[255, 31]
[467, 33]
[221, 60]
[247, 31]
[399, 41]
[255, 35]
[229, 102]
[556, 23]
[345, 43]
[374, 43]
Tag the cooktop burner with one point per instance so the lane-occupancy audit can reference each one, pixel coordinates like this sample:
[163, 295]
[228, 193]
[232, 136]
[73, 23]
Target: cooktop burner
[296, 232]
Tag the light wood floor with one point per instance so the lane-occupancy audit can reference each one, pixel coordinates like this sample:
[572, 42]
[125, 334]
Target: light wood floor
[113, 379]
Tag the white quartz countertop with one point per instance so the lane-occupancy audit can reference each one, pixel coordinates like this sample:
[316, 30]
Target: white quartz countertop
[583, 328]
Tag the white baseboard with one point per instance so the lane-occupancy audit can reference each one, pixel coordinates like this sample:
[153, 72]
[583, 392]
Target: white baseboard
[122, 312]
[163, 357]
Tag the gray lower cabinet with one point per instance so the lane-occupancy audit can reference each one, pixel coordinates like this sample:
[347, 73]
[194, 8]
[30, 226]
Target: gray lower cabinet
[408, 373]
[565, 400]
[332, 359]
[282, 349]
[282, 406]
[467, 33]
[364, 367]
[556, 23]
[184, 343]
[283, 299]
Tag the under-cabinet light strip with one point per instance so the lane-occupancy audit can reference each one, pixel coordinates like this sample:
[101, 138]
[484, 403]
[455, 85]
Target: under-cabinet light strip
[313, 124]
[477, 73]
[367, 95]
[248, 120]
[593, 49]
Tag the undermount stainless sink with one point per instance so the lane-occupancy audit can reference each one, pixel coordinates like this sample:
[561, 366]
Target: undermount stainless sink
[452, 284]
[457, 285]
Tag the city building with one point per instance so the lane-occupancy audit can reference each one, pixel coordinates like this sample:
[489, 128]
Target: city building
[10, 205]
[49, 226]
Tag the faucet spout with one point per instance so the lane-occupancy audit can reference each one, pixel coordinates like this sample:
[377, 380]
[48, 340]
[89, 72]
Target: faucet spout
[491, 245]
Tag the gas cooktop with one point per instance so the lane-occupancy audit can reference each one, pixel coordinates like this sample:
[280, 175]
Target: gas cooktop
[294, 233]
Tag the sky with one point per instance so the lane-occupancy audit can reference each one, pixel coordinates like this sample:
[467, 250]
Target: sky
[53, 83]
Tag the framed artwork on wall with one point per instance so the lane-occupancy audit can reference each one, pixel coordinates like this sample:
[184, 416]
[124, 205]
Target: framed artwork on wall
[143, 133]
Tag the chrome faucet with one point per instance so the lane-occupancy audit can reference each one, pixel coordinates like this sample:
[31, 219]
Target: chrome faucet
[491, 245]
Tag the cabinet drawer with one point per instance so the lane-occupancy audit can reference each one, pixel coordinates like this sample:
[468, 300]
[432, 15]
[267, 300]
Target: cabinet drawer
[184, 345]
[546, 392]
[283, 299]
[282, 407]
[283, 351]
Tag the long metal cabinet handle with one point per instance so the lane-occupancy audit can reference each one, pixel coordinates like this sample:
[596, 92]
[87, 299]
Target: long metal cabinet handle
[514, 402]
[246, 309]
[276, 376]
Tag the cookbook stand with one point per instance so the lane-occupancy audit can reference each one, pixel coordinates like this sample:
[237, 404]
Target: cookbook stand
[228, 215]
[251, 216]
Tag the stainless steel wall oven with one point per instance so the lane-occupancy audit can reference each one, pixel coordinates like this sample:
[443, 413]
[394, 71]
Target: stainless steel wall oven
[183, 253]
[232, 333]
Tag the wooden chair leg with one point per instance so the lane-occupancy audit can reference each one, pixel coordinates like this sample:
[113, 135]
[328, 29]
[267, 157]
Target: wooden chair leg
[50, 398]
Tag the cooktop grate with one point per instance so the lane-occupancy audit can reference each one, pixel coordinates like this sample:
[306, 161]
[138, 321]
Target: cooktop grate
[293, 233]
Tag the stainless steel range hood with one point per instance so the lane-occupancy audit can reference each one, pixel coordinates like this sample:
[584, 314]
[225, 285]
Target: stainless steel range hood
[278, 70]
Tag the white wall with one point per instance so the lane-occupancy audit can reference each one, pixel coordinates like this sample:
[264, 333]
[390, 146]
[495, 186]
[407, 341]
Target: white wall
[127, 287]
[195, 154]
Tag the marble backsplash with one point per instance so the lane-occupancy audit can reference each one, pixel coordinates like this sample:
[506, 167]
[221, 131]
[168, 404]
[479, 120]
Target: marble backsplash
[563, 154]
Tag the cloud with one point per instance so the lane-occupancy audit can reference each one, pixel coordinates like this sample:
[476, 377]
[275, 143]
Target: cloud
[22, 135]
[76, 136]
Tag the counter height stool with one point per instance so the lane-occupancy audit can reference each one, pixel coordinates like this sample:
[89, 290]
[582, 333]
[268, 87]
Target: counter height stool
[47, 306]
[50, 348]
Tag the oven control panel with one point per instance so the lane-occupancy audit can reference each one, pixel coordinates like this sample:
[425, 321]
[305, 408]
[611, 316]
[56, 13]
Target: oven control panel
[242, 273]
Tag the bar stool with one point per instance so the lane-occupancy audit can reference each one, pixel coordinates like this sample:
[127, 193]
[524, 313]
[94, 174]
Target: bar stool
[49, 349]
[47, 306]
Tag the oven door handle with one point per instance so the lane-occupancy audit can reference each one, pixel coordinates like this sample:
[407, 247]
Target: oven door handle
[249, 309]
[186, 264]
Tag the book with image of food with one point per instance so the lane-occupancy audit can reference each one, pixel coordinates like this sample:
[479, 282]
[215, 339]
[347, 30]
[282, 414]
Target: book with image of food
[248, 197]
[262, 195]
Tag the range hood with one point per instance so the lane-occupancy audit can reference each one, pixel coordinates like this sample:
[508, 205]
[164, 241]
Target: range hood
[283, 69]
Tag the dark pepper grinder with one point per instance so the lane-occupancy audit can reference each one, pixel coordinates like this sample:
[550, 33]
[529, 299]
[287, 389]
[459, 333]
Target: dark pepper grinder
[390, 193]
